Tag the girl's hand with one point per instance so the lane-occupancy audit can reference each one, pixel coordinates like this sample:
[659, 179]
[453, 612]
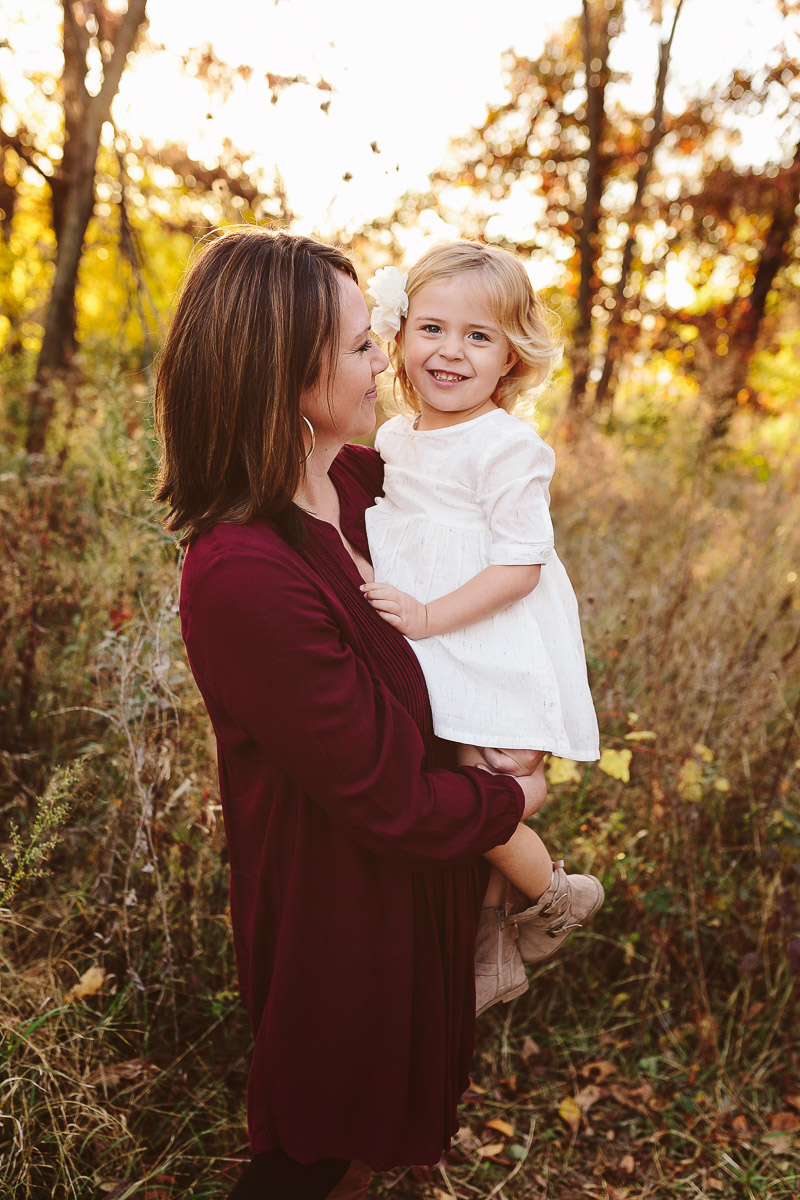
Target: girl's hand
[398, 608]
[513, 762]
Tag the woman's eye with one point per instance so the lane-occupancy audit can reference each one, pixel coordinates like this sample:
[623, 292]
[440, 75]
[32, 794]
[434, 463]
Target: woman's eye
[368, 344]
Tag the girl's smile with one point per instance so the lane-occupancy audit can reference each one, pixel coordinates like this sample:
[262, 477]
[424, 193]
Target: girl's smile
[454, 351]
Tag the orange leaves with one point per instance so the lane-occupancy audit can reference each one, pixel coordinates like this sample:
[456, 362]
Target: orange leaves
[501, 1127]
[784, 1122]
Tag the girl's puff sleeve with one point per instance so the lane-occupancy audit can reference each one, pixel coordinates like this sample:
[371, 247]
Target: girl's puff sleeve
[514, 494]
[277, 678]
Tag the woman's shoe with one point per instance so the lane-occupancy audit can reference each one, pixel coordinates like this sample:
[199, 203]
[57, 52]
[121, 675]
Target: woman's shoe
[568, 902]
[499, 970]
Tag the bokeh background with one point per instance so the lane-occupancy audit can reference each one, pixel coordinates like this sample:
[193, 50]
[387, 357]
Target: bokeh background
[643, 158]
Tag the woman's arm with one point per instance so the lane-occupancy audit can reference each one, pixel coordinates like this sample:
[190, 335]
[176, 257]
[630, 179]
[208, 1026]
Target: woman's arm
[488, 592]
[277, 677]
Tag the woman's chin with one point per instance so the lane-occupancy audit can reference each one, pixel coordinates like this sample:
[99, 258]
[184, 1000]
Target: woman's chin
[366, 424]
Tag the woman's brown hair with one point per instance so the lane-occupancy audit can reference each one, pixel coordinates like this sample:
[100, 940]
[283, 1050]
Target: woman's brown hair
[256, 322]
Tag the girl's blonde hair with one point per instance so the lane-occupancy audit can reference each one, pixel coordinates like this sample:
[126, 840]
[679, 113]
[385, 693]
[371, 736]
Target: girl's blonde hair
[530, 328]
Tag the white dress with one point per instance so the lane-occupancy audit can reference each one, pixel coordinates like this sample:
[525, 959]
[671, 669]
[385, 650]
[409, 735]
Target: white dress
[457, 500]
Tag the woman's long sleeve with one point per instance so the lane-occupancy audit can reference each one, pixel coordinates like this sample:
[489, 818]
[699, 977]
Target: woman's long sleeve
[274, 671]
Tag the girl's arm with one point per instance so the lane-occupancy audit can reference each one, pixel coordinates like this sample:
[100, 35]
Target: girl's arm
[485, 594]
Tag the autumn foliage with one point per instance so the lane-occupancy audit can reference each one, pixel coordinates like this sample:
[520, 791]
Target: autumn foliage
[657, 1055]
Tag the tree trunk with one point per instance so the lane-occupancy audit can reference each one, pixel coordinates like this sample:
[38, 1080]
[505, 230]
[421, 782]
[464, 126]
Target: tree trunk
[615, 330]
[595, 47]
[727, 380]
[73, 195]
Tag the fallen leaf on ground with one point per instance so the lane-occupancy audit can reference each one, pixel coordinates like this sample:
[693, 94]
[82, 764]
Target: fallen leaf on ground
[501, 1127]
[714, 1184]
[794, 1101]
[111, 1074]
[473, 1092]
[89, 984]
[529, 1050]
[784, 1122]
[599, 1071]
[635, 1098]
[627, 1164]
[491, 1150]
[569, 1112]
[740, 1124]
[588, 1096]
[778, 1143]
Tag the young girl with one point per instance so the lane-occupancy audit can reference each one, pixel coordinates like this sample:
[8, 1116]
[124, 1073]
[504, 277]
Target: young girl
[462, 547]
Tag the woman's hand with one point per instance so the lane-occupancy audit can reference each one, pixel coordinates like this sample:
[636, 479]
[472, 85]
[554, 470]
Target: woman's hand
[398, 608]
[532, 782]
[534, 788]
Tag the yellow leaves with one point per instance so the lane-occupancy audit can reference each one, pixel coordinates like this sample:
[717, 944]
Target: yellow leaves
[616, 763]
[570, 1113]
[563, 770]
[89, 984]
[722, 784]
[690, 779]
[640, 735]
[704, 753]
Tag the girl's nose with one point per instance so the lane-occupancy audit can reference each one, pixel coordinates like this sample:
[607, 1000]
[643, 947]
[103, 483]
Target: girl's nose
[452, 348]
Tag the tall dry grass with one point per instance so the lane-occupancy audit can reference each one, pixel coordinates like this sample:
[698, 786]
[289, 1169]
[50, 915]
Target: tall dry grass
[128, 1079]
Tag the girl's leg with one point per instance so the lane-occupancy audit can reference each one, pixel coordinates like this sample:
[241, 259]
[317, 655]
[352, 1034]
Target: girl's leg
[524, 859]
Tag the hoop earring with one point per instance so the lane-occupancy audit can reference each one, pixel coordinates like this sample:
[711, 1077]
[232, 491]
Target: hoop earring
[313, 436]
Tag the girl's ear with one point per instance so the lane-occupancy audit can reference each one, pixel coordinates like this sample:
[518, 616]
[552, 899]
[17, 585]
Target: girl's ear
[512, 358]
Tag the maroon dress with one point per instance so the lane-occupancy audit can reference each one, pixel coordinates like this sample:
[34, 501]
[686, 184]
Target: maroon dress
[355, 877]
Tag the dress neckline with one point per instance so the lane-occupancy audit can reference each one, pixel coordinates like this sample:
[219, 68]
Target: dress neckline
[450, 428]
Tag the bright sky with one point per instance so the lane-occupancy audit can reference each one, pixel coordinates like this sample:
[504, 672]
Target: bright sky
[407, 76]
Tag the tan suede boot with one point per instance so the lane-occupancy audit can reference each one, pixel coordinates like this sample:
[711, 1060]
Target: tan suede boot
[354, 1184]
[499, 971]
[568, 902]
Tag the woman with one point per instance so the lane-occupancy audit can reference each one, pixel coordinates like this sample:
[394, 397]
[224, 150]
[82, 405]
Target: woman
[356, 881]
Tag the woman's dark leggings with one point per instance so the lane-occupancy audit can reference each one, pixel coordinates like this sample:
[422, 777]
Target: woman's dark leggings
[275, 1176]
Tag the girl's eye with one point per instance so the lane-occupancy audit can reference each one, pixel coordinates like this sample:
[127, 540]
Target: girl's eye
[476, 333]
[431, 329]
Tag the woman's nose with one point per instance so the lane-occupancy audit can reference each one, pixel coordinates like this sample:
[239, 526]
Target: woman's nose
[379, 363]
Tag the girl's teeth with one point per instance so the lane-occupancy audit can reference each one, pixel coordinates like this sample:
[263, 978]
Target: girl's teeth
[445, 377]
